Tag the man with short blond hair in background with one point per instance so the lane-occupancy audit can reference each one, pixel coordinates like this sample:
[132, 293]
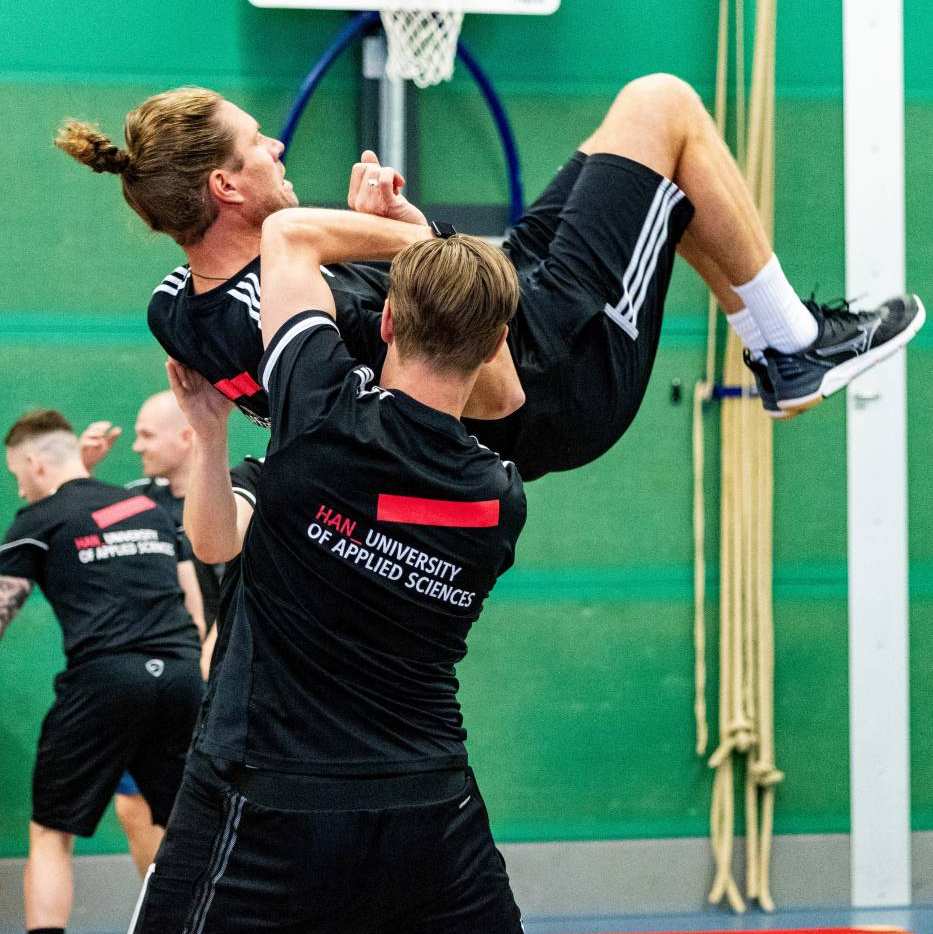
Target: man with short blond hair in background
[328, 788]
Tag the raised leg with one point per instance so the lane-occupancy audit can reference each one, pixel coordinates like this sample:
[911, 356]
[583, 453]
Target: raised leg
[660, 121]
[799, 353]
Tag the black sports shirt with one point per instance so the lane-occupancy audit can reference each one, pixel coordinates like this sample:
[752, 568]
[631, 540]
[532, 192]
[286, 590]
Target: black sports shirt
[244, 478]
[217, 333]
[107, 561]
[380, 527]
[159, 489]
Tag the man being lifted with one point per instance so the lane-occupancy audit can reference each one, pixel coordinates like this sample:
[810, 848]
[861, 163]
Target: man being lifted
[594, 255]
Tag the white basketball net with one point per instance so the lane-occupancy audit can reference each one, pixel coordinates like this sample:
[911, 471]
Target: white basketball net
[422, 44]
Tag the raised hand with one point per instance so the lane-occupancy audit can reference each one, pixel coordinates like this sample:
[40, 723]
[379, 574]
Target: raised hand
[96, 441]
[377, 189]
[205, 408]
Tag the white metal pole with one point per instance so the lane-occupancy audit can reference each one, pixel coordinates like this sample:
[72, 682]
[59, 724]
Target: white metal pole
[392, 121]
[877, 463]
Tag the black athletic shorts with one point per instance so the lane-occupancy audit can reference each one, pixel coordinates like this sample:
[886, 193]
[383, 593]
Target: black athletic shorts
[113, 713]
[346, 857]
[594, 255]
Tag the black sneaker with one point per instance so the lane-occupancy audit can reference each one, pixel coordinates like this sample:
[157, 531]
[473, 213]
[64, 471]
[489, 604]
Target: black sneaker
[759, 366]
[847, 344]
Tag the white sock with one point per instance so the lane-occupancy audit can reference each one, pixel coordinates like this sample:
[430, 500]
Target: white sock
[746, 328]
[783, 320]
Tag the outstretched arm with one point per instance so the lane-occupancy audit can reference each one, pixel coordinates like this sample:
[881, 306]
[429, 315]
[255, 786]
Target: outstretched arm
[13, 594]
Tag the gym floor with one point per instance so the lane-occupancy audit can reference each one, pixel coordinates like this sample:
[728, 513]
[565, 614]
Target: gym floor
[918, 920]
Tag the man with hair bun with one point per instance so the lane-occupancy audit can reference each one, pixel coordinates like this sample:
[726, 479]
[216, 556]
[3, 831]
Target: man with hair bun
[594, 254]
[173, 142]
[197, 168]
[108, 561]
[328, 788]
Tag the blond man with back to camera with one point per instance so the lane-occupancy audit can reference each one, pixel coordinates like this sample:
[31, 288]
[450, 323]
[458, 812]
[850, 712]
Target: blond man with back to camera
[379, 529]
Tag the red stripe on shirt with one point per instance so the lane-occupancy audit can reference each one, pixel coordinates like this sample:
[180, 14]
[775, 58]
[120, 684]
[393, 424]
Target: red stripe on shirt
[241, 385]
[111, 515]
[480, 514]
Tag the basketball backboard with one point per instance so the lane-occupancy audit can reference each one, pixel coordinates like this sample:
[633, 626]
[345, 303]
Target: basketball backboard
[538, 7]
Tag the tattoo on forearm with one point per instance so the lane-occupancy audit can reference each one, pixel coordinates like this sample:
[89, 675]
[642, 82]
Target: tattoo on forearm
[13, 594]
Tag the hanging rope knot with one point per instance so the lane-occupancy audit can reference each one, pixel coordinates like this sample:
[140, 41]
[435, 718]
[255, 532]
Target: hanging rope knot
[737, 735]
[745, 739]
[725, 749]
[766, 774]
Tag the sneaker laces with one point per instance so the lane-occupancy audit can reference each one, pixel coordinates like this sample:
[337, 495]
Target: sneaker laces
[835, 306]
[837, 314]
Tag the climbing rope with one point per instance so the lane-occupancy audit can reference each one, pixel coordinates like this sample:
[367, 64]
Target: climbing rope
[746, 640]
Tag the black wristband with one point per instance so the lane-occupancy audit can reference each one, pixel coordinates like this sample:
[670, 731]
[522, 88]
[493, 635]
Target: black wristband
[442, 230]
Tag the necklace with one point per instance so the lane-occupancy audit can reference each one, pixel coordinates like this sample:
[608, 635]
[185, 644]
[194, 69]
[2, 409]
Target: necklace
[201, 275]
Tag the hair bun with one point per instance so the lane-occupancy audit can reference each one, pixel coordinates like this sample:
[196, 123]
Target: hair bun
[89, 146]
[108, 157]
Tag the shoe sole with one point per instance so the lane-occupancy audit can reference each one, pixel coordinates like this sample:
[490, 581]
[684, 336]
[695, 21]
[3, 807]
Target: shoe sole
[840, 376]
[810, 402]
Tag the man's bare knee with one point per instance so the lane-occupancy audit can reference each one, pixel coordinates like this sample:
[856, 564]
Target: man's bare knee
[650, 121]
[132, 811]
[46, 838]
[661, 93]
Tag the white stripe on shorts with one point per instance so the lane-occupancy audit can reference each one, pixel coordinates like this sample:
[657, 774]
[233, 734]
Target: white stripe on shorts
[219, 864]
[644, 260]
[140, 900]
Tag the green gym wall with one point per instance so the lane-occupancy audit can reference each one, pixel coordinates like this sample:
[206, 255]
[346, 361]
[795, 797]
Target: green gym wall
[578, 688]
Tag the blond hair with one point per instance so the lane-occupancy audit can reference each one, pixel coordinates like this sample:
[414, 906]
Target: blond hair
[174, 141]
[450, 300]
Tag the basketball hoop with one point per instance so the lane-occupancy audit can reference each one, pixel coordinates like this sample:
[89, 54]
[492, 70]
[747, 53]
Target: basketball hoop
[422, 44]
[421, 35]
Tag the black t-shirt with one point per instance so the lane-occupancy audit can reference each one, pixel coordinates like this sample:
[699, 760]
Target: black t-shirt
[107, 561]
[380, 527]
[218, 332]
[245, 480]
[159, 489]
